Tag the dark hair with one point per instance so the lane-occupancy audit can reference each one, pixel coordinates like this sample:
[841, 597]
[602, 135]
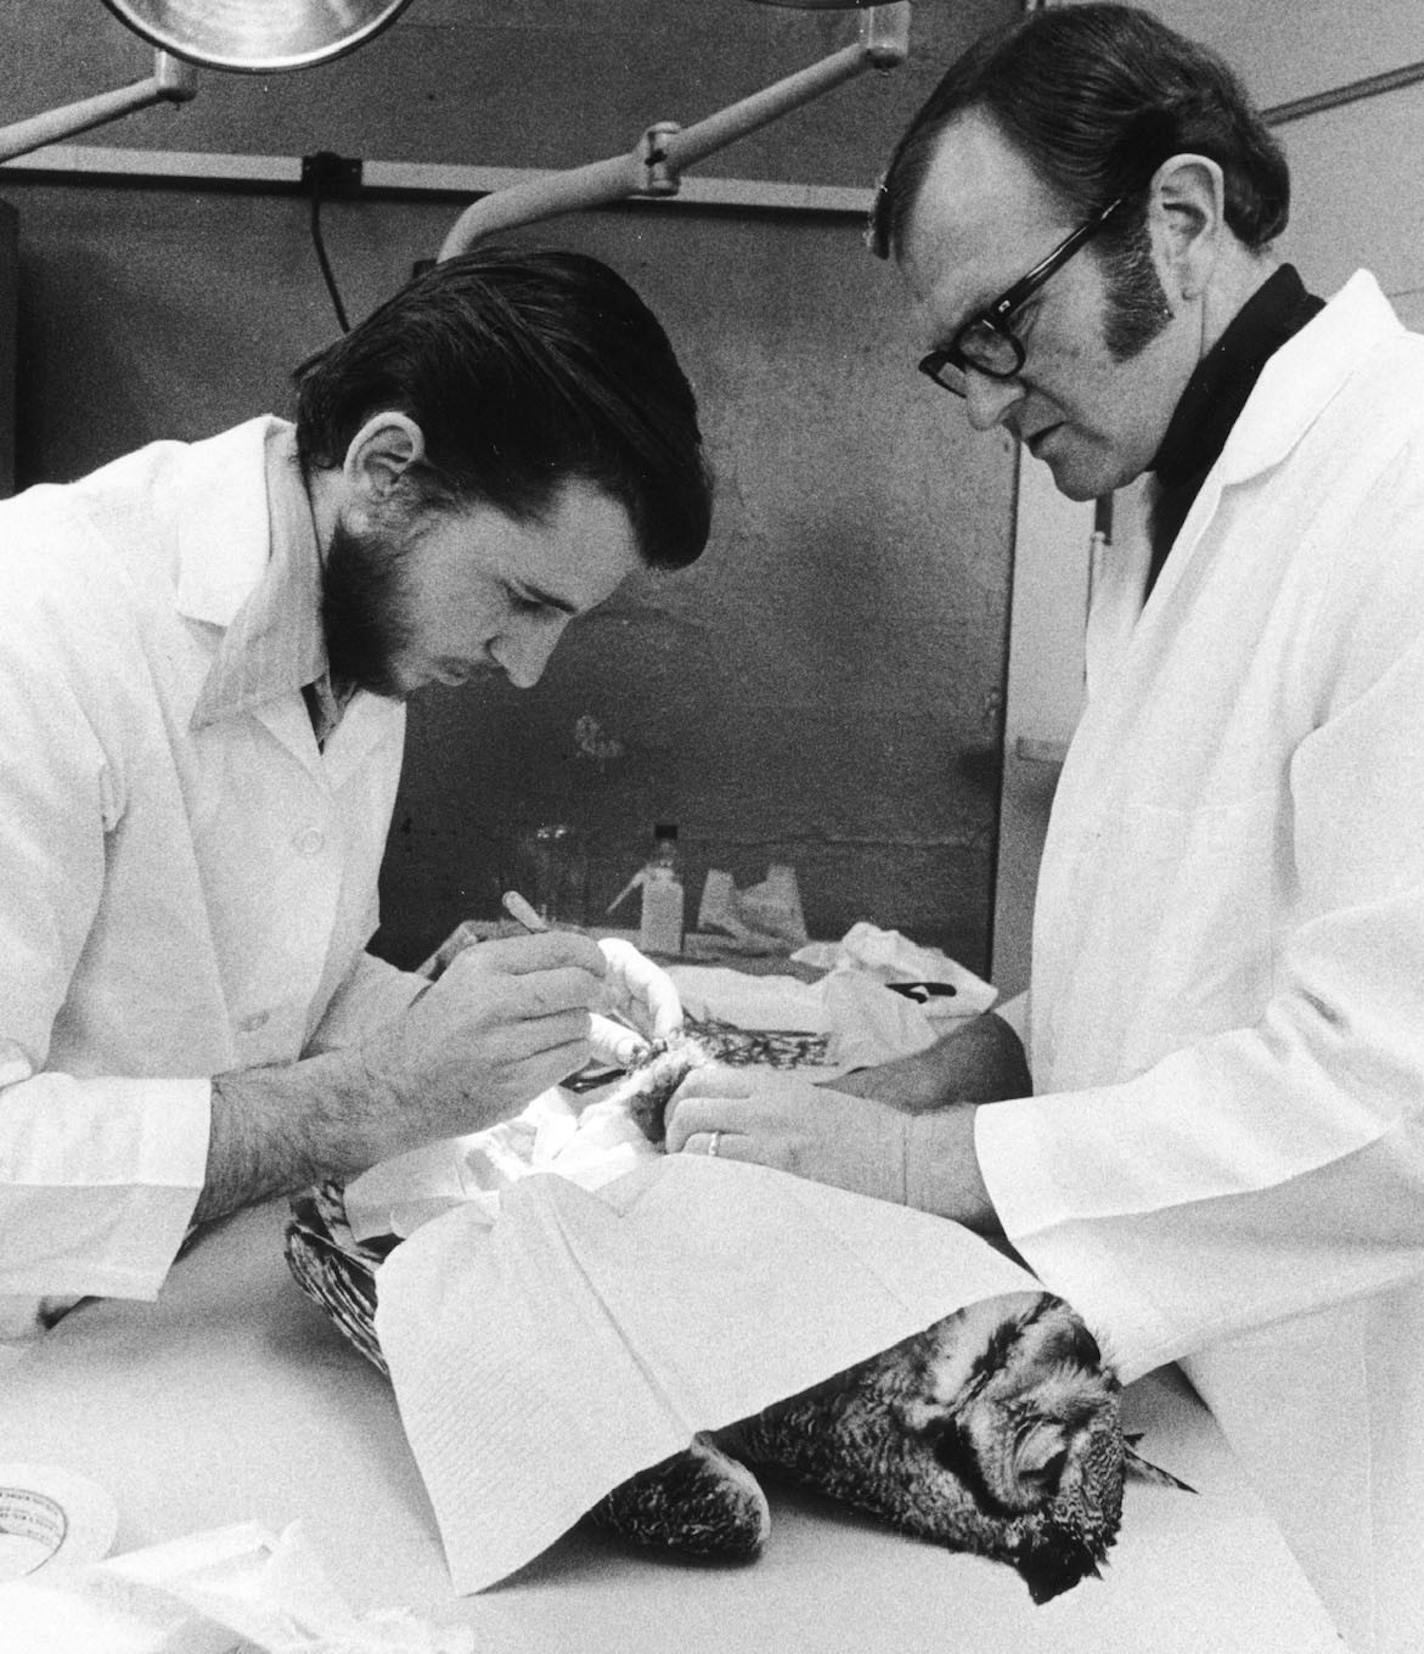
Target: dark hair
[523, 370]
[1096, 98]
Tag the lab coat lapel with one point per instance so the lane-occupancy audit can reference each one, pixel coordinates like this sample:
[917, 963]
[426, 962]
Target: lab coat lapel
[289, 722]
[367, 722]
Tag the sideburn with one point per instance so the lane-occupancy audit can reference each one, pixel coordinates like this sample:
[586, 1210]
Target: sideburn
[1135, 309]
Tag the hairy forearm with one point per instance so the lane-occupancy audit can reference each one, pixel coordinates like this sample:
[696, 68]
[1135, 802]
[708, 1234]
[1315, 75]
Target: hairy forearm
[506, 1021]
[275, 1130]
[982, 1062]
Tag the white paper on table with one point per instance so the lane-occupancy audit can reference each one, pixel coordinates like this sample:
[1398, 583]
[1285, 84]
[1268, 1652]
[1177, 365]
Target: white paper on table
[585, 1336]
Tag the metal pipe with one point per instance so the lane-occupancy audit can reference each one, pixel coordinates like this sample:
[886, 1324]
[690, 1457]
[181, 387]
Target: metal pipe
[172, 81]
[653, 167]
[691, 144]
[587, 186]
[1352, 92]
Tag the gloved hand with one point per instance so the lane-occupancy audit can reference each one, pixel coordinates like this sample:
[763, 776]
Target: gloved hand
[925, 1160]
[640, 991]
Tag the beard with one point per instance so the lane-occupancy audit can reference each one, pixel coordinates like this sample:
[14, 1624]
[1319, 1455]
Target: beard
[1135, 309]
[365, 607]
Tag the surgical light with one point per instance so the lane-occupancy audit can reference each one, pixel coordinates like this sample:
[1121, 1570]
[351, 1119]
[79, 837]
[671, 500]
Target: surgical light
[257, 37]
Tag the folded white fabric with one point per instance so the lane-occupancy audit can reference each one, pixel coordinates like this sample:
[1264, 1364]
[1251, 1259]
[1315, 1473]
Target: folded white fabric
[585, 1141]
[866, 1024]
[209, 1593]
[888, 956]
[778, 1002]
[586, 1335]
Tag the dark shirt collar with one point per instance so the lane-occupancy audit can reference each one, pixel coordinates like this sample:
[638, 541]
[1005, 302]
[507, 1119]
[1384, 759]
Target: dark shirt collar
[1216, 393]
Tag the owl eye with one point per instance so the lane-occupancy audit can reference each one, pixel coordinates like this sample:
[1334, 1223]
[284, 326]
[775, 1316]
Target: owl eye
[1040, 1455]
[1049, 1474]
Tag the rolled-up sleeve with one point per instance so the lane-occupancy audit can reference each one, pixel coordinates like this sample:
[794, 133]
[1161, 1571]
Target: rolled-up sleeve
[98, 1181]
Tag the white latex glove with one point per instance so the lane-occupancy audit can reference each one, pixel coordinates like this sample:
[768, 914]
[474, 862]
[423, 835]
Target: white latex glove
[924, 1160]
[777, 1119]
[642, 992]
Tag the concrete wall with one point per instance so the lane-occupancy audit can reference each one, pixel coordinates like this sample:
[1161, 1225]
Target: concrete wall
[825, 688]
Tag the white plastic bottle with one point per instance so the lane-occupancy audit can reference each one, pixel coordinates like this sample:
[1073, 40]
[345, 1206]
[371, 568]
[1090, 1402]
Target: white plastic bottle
[661, 927]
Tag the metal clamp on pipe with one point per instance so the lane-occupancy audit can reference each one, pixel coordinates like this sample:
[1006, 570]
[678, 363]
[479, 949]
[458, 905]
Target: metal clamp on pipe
[655, 165]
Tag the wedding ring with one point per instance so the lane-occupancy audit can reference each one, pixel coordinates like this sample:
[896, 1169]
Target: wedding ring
[712, 1146]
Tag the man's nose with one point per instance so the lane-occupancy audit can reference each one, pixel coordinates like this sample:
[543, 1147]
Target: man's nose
[988, 400]
[523, 651]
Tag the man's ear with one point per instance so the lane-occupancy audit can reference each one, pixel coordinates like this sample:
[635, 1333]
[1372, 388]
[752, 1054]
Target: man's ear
[379, 455]
[1186, 213]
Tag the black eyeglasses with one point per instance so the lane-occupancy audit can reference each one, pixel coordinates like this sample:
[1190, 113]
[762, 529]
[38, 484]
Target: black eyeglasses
[985, 343]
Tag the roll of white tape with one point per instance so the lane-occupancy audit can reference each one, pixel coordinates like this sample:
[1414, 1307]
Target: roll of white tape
[50, 1516]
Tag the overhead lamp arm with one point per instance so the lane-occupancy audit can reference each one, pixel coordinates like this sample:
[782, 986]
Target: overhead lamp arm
[172, 81]
[655, 165]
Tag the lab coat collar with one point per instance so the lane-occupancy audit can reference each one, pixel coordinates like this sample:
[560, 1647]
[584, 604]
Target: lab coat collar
[272, 643]
[1293, 390]
[219, 512]
[1304, 375]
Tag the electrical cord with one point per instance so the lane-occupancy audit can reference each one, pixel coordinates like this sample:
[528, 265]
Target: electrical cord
[328, 276]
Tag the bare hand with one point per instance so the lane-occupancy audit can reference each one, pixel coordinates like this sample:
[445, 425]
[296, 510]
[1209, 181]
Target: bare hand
[776, 1119]
[505, 1021]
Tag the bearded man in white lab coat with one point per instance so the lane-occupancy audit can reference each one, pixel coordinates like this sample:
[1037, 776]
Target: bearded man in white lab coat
[1224, 1161]
[204, 654]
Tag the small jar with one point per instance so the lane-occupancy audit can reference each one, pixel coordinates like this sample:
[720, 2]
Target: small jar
[551, 871]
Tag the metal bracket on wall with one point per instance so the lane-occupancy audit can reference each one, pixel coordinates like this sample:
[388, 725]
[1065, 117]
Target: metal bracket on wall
[332, 176]
[187, 169]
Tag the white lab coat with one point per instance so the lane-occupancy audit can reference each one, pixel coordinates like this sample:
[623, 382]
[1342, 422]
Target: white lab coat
[1225, 1165]
[186, 886]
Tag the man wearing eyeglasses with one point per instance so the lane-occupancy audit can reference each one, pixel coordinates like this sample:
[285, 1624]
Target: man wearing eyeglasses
[1224, 1161]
